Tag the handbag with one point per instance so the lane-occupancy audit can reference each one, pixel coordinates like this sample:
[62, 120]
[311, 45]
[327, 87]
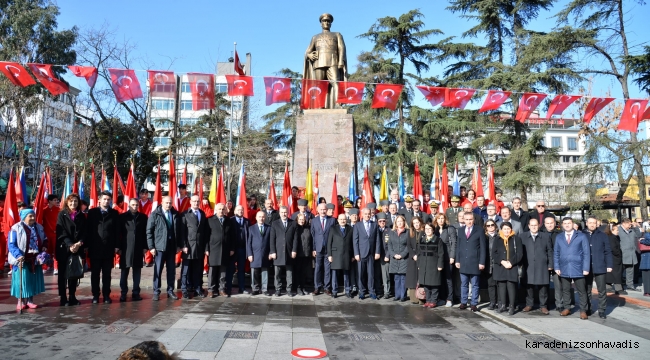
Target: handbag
[74, 267]
[643, 248]
[419, 293]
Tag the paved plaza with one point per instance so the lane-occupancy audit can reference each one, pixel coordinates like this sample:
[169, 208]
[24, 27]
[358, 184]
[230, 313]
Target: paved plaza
[259, 327]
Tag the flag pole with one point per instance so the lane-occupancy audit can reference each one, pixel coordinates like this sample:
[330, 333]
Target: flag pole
[230, 126]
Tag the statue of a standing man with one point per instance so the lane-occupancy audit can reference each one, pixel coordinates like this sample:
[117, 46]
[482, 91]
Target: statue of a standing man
[325, 59]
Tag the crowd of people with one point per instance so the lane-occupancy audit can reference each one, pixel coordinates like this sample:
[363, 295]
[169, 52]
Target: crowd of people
[404, 250]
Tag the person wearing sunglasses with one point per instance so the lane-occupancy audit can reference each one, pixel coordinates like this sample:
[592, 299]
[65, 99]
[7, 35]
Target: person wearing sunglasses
[491, 234]
[540, 212]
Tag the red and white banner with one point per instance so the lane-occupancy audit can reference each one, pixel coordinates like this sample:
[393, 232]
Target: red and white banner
[46, 77]
[125, 85]
[494, 100]
[435, 95]
[559, 104]
[386, 96]
[239, 85]
[16, 73]
[162, 84]
[278, 90]
[87, 72]
[202, 88]
[594, 107]
[527, 104]
[239, 68]
[458, 98]
[314, 93]
[632, 114]
[350, 92]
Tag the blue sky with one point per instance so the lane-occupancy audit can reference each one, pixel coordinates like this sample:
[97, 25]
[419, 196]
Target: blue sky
[197, 34]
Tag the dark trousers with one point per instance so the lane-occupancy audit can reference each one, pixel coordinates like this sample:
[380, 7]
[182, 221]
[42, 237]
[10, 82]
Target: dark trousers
[379, 287]
[465, 281]
[492, 289]
[449, 280]
[530, 295]
[507, 293]
[386, 277]
[240, 260]
[191, 275]
[367, 275]
[288, 283]
[432, 293]
[400, 286]
[645, 275]
[104, 266]
[601, 286]
[260, 279]
[335, 281]
[581, 287]
[217, 278]
[163, 259]
[557, 287]
[301, 266]
[322, 272]
[124, 280]
[63, 282]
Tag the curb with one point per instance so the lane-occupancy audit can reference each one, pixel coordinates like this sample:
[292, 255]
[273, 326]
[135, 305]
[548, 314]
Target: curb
[506, 320]
[627, 299]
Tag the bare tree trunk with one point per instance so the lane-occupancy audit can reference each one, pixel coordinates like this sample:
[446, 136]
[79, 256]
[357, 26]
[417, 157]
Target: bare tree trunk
[524, 198]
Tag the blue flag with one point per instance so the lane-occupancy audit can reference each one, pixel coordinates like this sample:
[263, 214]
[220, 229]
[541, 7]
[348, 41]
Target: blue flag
[400, 184]
[352, 188]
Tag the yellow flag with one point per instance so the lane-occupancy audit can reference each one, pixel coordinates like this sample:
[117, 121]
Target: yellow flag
[309, 189]
[383, 188]
[212, 198]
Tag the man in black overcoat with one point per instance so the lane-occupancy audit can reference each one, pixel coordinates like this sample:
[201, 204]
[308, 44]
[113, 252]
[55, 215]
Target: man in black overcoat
[283, 250]
[471, 252]
[219, 250]
[194, 236]
[538, 261]
[133, 246]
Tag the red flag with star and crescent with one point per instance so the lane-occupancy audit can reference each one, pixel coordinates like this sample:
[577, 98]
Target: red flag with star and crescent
[125, 85]
[162, 84]
[16, 73]
[386, 96]
[87, 72]
[350, 92]
[494, 100]
[527, 104]
[43, 73]
[239, 68]
[559, 104]
[314, 94]
[594, 107]
[278, 90]
[632, 114]
[435, 95]
[646, 114]
[202, 88]
[457, 98]
[239, 85]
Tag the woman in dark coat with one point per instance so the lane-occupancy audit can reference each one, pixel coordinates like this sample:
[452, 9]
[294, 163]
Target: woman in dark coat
[615, 278]
[507, 253]
[340, 254]
[70, 229]
[133, 245]
[303, 248]
[644, 265]
[415, 234]
[398, 252]
[430, 259]
[448, 236]
[491, 235]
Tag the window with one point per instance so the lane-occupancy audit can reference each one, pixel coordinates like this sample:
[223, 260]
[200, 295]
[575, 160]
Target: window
[186, 104]
[572, 143]
[190, 178]
[221, 87]
[201, 142]
[236, 105]
[566, 159]
[188, 121]
[162, 104]
[185, 87]
[65, 153]
[556, 142]
[162, 123]
[49, 130]
[161, 141]
[576, 159]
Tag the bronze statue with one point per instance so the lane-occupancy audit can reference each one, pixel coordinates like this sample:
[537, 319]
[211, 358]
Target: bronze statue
[325, 59]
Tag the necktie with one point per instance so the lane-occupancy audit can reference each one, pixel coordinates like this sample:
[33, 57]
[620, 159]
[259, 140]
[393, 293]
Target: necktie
[393, 218]
[198, 218]
[343, 230]
[241, 221]
[467, 232]
[534, 236]
[367, 228]
[322, 222]
[285, 224]
[261, 229]
[568, 238]
[221, 220]
[169, 217]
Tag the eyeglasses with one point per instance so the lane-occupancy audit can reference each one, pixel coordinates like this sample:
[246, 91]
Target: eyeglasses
[541, 205]
[490, 225]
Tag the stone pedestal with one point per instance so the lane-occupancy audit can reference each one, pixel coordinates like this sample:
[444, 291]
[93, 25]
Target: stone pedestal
[326, 138]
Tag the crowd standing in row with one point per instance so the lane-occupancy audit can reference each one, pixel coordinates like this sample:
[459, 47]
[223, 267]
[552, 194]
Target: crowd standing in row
[398, 250]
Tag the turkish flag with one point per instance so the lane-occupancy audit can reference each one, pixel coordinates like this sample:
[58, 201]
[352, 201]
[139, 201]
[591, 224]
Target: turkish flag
[386, 96]
[314, 94]
[16, 73]
[632, 114]
[367, 196]
[278, 90]
[350, 92]
[239, 68]
[239, 85]
[646, 114]
[527, 104]
[162, 84]
[494, 100]
[457, 98]
[202, 88]
[560, 103]
[87, 72]
[44, 74]
[595, 105]
[435, 95]
[125, 84]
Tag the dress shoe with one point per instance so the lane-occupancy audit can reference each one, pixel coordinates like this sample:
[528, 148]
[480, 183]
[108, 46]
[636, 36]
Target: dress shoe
[95, 299]
[528, 308]
[588, 312]
[373, 296]
[334, 295]
[253, 293]
[622, 292]
[136, 297]
[292, 294]
[277, 294]
[63, 302]
[492, 306]
[186, 295]
[301, 292]
[327, 292]
[583, 316]
[544, 311]
[361, 297]
[403, 299]
[566, 312]
[433, 305]
[502, 308]
[31, 305]
[511, 310]
[211, 294]
[172, 295]
[73, 302]
[267, 293]
[108, 301]
[123, 298]
[223, 293]
[559, 309]
[426, 305]
[155, 297]
[20, 306]
[348, 295]
[475, 309]
[316, 292]
[396, 299]
[200, 295]
[602, 315]
[386, 296]
[462, 307]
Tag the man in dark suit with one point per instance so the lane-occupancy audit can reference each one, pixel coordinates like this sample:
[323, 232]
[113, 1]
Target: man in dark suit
[478, 219]
[339, 254]
[417, 212]
[194, 236]
[366, 250]
[284, 244]
[302, 209]
[133, 245]
[101, 237]
[271, 213]
[470, 259]
[258, 247]
[220, 249]
[520, 215]
[240, 226]
[538, 261]
[394, 199]
[320, 227]
[392, 215]
[602, 262]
